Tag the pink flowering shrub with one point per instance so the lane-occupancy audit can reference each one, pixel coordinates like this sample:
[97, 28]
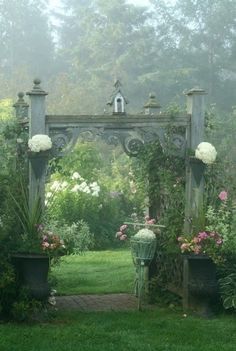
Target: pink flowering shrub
[218, 236]
[202, 243]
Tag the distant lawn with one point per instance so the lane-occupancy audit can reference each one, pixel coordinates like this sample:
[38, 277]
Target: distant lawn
[156, 330]
[97, 272]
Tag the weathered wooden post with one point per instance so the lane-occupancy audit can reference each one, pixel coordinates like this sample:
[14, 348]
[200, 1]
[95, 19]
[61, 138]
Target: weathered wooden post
[37, 126]
[21, 109]
[194, 173]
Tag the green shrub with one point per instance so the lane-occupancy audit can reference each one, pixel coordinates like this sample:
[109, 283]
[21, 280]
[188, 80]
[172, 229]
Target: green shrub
[228, 291]
[77, 236]
[8, 288]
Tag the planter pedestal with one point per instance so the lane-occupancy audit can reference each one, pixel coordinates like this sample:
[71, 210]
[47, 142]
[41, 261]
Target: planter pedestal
[199, 284]
[32, 273]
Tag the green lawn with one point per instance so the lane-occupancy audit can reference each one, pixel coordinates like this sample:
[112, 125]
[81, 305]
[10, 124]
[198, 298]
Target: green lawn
[156, 330]
[97, 272]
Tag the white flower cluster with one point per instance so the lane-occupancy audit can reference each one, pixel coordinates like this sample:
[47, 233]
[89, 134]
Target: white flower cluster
[83, 186]
[145, 234]
[40, 142]
[57, 185]
[92, 188]
[206, 152]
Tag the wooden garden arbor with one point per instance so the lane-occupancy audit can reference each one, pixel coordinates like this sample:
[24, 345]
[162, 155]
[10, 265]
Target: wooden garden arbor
[129, 130]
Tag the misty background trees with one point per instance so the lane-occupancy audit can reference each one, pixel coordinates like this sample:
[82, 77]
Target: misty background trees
[79, 51]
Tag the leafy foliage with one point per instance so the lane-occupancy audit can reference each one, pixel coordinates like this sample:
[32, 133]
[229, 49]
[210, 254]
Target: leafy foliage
[228, 291]
[77, 236]
[88, 166]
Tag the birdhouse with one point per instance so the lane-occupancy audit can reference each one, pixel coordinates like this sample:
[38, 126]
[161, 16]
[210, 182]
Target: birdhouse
[117, 100]
[152, 106]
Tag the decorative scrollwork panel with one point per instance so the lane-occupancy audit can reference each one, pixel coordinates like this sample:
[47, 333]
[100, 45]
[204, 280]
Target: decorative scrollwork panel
[132, 140]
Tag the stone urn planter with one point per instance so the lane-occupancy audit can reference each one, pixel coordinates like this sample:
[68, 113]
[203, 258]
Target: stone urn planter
[200, 289]
[32, 273]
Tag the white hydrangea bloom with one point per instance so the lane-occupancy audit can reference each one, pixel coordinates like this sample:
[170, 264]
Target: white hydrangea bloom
[64, 185]
[95, 189]
[75, 188]
[87, 190]
[55, 186]
[40, 142]
[75, 176]
[83, 186]
[206, 152]
[48, 195]
[145, 234]
[95, 193]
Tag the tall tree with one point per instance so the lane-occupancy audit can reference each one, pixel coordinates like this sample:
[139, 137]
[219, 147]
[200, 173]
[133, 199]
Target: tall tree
[25, 39]
[203, 35]
[101, 41]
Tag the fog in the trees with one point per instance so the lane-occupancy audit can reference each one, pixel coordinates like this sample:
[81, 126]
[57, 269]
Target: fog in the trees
[79, 50]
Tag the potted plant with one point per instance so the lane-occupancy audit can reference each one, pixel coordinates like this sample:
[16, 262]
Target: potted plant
[36, 246]
[205, 251]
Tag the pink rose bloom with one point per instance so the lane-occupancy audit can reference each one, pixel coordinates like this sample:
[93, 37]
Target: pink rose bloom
[219, 242]
[151, 221]
[123, 227]
[118, 234]
[45, 245]
[202, 236]
[196, 240]
[212, 234]
[223, 195]
[123, 237]
[197, 249]
[185, 247]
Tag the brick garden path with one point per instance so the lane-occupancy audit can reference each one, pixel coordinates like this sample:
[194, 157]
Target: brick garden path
[89, 303]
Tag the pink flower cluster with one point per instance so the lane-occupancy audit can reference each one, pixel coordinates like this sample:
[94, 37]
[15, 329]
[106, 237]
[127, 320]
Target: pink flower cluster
[50, 241]
[121, 233]
[149, 220]
[201, 243]
[223, 195]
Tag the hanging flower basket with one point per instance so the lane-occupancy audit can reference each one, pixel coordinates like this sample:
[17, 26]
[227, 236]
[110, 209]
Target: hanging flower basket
[143, 245]
[143, 250]
[198, 168]
[38, 161]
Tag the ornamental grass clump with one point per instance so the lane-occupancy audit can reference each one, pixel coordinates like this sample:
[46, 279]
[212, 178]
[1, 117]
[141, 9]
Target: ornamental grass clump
[35, 237]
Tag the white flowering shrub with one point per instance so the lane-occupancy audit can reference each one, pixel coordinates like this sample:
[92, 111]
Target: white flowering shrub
[40, 142]
[206, 152]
